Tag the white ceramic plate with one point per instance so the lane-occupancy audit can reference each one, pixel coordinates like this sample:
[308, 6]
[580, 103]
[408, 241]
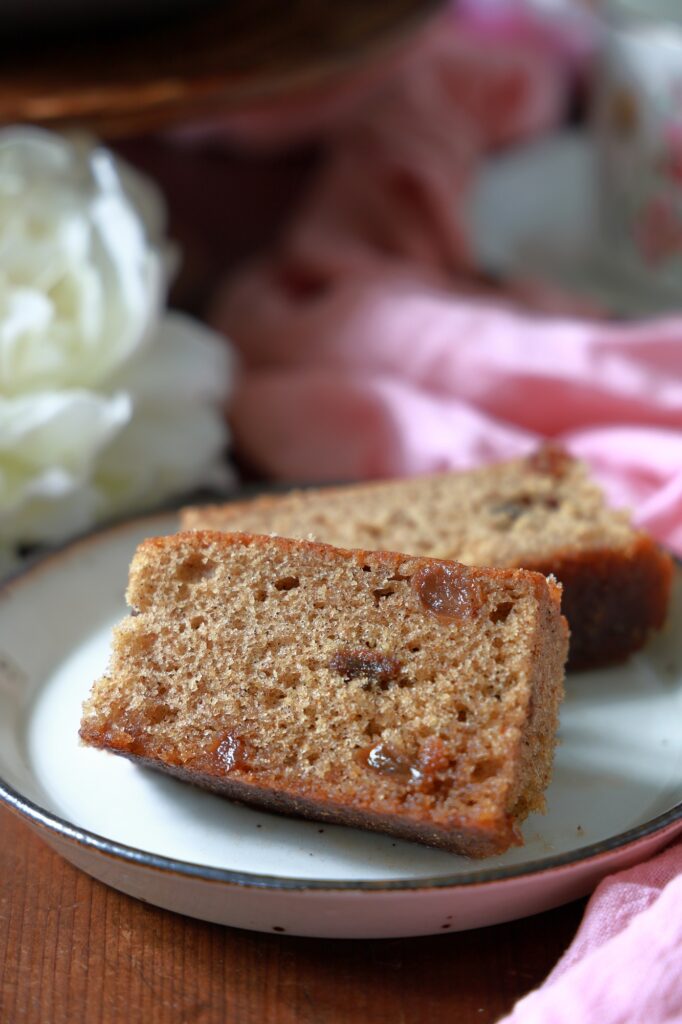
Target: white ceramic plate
[615, 799]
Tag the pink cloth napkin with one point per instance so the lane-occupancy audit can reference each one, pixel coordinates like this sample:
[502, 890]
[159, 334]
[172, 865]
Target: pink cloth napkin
[372, 346]
[383, 374]
[625, 964]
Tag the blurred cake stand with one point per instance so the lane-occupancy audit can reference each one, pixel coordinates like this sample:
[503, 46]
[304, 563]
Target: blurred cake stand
[197, 61]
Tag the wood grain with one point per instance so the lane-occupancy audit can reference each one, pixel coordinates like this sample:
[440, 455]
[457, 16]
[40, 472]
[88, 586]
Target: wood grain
[72, 951]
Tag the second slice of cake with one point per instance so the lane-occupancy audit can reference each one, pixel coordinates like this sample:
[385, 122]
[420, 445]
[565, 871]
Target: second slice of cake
[404, 694]
[542, 513]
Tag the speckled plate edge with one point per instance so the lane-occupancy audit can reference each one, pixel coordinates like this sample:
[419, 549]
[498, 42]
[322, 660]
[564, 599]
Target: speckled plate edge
[75, 842]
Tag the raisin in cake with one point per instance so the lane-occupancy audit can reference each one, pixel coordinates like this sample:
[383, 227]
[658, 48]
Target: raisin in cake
[386, 691]
[541, 513]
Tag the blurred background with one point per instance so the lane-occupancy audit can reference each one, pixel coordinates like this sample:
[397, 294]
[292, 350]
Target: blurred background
[322, 241]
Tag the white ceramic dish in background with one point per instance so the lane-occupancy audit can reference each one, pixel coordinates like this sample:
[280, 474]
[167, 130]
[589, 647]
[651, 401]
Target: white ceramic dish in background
[536, 214]
[615, 799]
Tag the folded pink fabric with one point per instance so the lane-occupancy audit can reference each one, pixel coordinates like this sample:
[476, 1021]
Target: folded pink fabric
[625, 964]
[372, 348]
[387, 374]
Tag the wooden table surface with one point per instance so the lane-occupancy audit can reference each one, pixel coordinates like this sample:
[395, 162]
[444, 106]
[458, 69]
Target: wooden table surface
[72, 951]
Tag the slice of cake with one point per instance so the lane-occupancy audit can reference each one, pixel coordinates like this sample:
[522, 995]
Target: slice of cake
[390, 692]
[541, 513]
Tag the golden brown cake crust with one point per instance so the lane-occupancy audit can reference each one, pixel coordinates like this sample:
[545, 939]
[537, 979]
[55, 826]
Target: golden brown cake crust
[403, 694]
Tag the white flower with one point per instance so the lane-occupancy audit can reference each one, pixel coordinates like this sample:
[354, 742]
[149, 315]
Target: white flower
[108, 403]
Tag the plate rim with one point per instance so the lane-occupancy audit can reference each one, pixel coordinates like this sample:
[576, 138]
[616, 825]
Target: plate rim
[56, 825]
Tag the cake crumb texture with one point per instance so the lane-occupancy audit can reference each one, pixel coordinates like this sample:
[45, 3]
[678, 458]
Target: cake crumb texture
[388, 691]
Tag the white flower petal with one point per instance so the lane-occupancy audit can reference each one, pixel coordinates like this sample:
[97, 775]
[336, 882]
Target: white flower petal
[48, 519]
[167, 449]
[72, 235]
[49, 446]
[107, 403]
[23, 311]
[185, 361]
[60, 428]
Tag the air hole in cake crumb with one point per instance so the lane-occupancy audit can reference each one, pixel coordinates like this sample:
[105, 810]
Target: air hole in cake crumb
[372, 728]
[501, 612]
[462, 715]
[145, 641]
[382, 592]
[414, 649]
[400, 577]
[154, 714]
[485, 770]
[194, 569]
[287, 583]
[271, 698]
[289, 678]
[404, 682]
[367, 568]
[196, 621]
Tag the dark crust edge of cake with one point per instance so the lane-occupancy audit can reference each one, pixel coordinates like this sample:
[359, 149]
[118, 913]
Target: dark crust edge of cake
[465, 840]
[613, 598]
